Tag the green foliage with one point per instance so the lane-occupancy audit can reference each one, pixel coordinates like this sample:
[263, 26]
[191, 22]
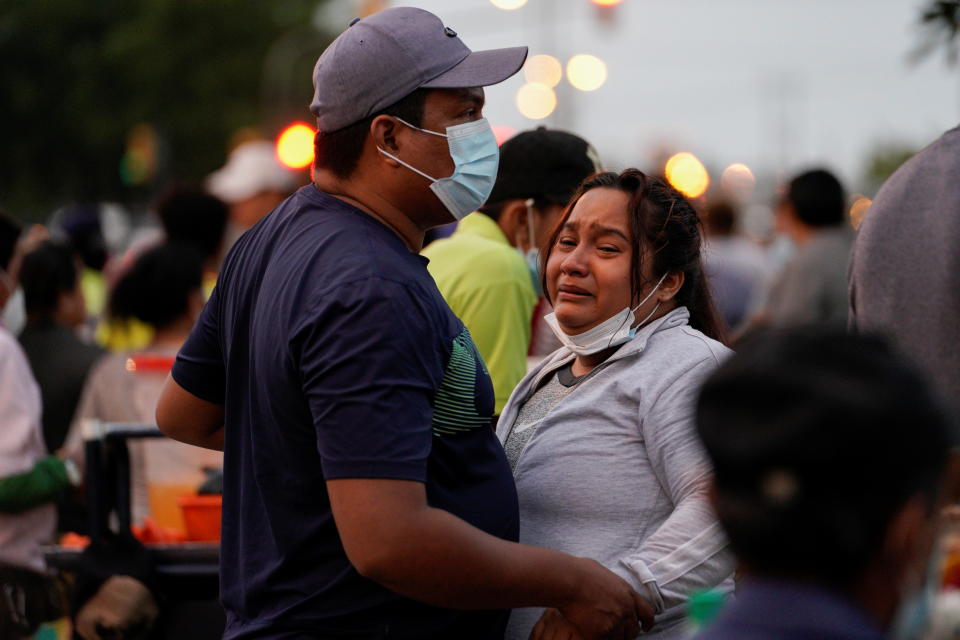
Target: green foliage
[77, 76]
[884, 160]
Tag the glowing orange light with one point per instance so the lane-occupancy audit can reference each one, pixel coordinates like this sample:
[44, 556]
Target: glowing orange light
[607, 3]
[687, 175]
[295, 146]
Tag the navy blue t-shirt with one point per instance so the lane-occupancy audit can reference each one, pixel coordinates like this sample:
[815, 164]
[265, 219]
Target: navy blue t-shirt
[335, 356]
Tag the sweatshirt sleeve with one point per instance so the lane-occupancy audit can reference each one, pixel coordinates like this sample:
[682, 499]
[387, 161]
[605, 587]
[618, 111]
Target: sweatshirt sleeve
[688, 552]
[42, 484]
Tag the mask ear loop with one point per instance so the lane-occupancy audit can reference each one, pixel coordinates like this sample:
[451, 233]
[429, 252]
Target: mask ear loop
[640, 304]
[433, 133]
[408, 166]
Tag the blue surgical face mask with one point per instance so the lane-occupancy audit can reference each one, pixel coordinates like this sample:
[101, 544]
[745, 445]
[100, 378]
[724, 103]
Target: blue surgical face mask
[476, 157]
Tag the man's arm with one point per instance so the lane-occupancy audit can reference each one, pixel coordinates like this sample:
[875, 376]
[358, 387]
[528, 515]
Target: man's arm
[187, 418]
[392, 536]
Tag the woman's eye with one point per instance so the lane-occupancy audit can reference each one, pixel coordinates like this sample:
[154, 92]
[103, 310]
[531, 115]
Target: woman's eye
[566, 242]
[609, 249]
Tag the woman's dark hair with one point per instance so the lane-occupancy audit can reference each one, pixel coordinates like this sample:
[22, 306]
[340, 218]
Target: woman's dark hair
[339, 151]
[45, 273]
[157, 288]
[663, 221]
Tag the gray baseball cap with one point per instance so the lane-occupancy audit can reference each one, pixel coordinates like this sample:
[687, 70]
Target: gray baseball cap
[382, 58]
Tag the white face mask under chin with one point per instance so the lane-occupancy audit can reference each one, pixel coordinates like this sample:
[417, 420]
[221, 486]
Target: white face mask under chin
[612, 332]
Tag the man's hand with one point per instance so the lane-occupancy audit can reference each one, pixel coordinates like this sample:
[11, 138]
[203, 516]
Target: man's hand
[605, 606]
[553, 626]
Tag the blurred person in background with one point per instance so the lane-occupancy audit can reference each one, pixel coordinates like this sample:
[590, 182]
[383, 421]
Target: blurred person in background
[163, 290]
[188, 216]
[81, 223]
[812, 288]
[905, 265]
[60, 360]
[829, 454]
[252, 183]
[14, 315]
[601, 437]
[488, 270]
[736, 267]
[27, 513]
[365, 495]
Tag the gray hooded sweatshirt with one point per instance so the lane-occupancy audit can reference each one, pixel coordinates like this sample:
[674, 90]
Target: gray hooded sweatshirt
[615, 471]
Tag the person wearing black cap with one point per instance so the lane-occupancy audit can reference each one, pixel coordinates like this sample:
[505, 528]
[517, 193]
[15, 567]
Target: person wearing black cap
[365, 495]
[488, 270]
[830, 458]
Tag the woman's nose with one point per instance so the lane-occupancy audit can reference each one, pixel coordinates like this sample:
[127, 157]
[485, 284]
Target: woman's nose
[574, 263]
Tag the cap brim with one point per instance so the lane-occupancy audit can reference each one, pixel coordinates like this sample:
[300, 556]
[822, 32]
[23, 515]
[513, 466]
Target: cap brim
[481, 69]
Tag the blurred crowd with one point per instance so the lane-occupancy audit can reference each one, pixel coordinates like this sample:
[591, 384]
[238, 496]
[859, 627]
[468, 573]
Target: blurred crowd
[808, 473]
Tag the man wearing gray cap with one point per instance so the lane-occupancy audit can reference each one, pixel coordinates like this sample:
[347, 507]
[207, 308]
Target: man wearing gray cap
[365, 495]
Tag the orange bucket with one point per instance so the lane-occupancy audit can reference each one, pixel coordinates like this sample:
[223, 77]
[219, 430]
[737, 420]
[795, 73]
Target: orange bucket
[201, 516]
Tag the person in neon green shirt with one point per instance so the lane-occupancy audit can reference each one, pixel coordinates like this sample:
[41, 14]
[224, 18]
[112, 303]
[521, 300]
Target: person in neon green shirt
[487, 270]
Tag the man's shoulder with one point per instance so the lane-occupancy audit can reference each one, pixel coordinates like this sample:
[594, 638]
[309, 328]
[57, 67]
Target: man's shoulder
[316, 242]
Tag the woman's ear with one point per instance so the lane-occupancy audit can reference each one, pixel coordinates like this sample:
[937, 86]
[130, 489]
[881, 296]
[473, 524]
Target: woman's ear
[671, 285]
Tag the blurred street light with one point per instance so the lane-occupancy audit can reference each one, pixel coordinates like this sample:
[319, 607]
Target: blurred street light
[586, 72]
[508, 5]
[687, 174]
[738, 181]
[536, 101]
[606, 3]
[543, 69]
[295, 146]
